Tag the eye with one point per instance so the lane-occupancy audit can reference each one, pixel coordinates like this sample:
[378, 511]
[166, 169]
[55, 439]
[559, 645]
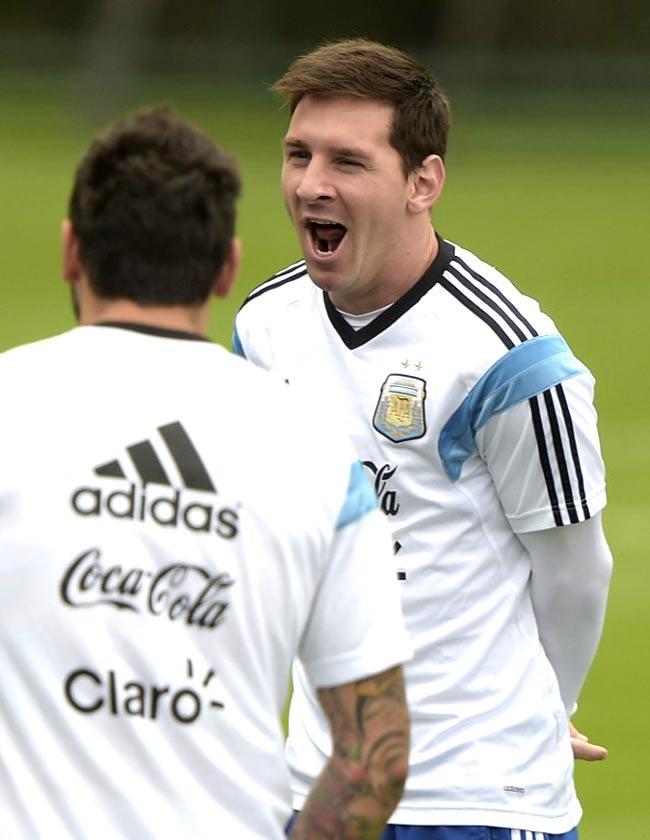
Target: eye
[350, 162]
[297, 154]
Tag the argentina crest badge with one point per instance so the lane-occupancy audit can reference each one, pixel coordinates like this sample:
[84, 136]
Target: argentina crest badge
[399, 415]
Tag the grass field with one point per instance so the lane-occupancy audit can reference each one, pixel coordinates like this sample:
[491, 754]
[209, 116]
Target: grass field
[550, 187]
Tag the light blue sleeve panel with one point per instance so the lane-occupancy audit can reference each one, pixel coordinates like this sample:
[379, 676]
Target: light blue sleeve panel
[359, 498]
[528, 369]
[237, 348]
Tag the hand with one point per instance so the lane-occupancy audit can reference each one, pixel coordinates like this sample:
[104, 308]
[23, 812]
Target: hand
[581, 747]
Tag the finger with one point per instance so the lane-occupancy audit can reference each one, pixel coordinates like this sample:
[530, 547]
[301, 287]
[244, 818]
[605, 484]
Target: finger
[575, 734]
[585, 751]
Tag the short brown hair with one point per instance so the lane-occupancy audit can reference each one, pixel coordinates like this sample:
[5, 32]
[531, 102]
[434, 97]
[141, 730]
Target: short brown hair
[153, 207]
[366, 69]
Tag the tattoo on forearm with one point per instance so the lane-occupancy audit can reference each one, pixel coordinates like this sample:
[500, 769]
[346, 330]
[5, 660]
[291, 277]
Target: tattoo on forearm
[362, 782]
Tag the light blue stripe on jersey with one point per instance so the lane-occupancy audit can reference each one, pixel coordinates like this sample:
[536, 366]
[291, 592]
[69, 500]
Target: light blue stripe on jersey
[359, 498]
[237, 345]
[526, 370]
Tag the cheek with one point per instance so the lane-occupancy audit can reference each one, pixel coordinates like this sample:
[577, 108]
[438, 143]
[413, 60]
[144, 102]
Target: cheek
[391, 210]
[288, 193]
[382, 216]
[286, 182]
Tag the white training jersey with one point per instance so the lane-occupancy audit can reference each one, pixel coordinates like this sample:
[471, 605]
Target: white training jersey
[169, 540]
[475, 422]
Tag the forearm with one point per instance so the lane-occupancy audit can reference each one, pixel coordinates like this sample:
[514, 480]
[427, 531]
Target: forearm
[571, 567]
[343, 804]
[363, 780]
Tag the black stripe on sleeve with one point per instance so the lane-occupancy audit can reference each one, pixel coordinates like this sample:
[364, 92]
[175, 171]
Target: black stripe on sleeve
[473, 307]
[499, 294]
[566, 414]
[147, 463]
[187, 459]
[300, 272]
[544, 460]
[290, 269]
[560, 457]
[521, 335]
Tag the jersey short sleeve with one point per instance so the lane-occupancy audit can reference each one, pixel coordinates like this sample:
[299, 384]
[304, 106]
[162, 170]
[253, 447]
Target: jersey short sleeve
[355, 628]
[544, 457]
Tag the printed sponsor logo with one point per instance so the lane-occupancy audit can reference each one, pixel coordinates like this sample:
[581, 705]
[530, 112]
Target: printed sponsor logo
[386, 496]
[136, 505]
[167, 508]
[90, 691]
[179, 592]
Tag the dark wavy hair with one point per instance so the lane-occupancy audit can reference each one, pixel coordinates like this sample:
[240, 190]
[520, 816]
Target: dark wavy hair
[153, 207]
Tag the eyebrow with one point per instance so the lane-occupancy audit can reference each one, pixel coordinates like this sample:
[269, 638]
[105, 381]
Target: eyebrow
[291, 141]
[343, 151]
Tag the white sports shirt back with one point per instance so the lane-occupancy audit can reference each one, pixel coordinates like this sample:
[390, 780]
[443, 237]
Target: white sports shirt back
[475, 422]
[169, 539]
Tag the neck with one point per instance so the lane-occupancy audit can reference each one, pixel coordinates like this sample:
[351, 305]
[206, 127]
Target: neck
[395, 280]
[184, 318]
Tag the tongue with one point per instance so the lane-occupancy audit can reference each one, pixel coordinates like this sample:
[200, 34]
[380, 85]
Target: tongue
[332, 234]
[328, 237]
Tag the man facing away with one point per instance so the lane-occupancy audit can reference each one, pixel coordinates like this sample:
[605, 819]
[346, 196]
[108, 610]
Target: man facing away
[167, 548]
[476, 423]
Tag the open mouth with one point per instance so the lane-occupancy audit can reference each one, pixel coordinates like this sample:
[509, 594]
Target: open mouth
[326, 236]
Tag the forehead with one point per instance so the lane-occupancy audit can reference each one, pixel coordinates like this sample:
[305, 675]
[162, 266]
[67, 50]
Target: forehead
[341, 121]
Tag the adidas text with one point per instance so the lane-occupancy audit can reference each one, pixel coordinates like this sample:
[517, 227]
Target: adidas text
[135, 504]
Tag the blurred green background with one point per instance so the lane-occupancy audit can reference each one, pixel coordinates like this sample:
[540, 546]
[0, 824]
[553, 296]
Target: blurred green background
[548, 179]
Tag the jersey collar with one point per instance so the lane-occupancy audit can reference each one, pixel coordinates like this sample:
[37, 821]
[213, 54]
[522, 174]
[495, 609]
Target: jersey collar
[148, 329]
[355, 338]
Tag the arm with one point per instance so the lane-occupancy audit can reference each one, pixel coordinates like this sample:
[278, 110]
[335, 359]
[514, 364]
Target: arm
[363, 780]
[571, 568]
[350, 681]
[571, 565]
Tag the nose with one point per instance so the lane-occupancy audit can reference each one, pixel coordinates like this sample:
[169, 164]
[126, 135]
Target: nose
[315, 184]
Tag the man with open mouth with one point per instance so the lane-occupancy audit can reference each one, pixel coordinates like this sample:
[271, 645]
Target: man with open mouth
[476, 423]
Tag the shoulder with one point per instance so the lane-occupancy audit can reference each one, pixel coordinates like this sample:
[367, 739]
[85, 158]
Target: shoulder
[491, 297]
[285, 296]
[487, 316]
[282, 288]
[22, 358]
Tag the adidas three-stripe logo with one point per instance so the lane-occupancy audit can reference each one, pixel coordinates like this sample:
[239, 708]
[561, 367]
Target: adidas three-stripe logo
[150, 468]
[169, 459]
[551, 417]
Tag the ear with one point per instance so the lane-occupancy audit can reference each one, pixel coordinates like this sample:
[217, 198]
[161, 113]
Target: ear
[426, 184]
[70, 259]
[228, 273]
